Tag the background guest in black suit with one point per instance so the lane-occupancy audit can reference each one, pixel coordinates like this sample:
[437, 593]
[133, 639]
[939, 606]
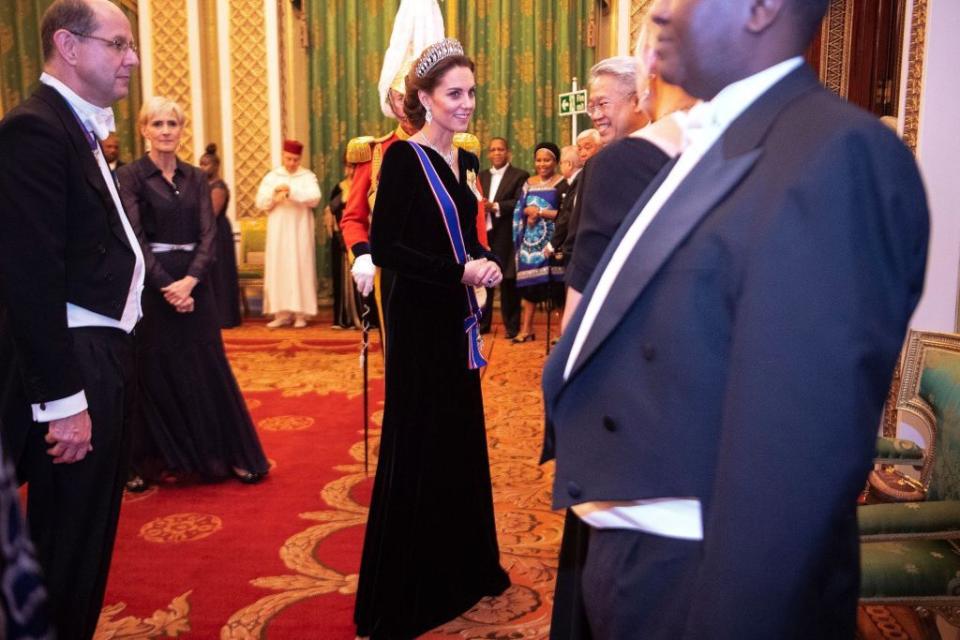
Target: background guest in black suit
[588, 144]
[71, 275]
[502, 184]
[757, 294]
[571, 167]
[111, 152]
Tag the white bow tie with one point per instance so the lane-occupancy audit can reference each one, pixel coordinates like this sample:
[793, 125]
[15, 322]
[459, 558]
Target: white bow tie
[699, 121]
[100, 122]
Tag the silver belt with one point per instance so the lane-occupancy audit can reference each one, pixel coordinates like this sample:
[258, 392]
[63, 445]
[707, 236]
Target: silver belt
[163, 247]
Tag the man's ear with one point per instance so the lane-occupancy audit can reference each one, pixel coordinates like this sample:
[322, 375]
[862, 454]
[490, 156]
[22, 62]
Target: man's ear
[764, 13]
[67, 46]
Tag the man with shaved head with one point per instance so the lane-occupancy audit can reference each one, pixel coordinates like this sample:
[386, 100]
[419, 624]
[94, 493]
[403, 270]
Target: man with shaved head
[713, 403]
[71, 274]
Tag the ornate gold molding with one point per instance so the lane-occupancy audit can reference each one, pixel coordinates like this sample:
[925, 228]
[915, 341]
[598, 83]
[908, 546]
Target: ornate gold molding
[282, 9]
[638, 12]
[250, 98]
[911, 112]
[837, 34]
[171, 60]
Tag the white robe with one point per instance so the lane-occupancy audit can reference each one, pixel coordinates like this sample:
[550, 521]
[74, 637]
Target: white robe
[290, 273]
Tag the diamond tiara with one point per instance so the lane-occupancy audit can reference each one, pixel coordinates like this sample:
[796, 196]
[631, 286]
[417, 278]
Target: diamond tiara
[437, 52]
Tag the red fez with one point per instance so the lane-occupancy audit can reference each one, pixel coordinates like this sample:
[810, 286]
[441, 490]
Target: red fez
[292, 146]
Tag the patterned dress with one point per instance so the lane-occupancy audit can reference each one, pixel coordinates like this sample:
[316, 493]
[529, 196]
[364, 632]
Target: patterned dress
[536, 276]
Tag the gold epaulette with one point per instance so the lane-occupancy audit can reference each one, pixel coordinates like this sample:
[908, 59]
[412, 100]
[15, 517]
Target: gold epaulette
[467, 142]
[358, 149]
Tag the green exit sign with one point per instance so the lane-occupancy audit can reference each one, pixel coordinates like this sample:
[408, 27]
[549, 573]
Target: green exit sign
[573, 102]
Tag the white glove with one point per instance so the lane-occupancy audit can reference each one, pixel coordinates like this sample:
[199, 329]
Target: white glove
[363, 272]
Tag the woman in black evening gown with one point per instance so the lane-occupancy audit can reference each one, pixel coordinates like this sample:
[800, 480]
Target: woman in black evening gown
[223, 271]
[192, 419]
[430, 551]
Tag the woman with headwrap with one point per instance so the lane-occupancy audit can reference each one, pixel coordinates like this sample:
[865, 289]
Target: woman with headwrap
[533, 223]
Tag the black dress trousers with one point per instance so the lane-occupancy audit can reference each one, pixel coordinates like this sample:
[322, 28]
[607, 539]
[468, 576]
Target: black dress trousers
[72, 509]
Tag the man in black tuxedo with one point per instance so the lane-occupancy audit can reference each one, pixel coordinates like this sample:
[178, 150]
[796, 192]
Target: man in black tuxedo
[502, 184]
[111, 152]
[714, 402]
[71, 274]
[570, 167]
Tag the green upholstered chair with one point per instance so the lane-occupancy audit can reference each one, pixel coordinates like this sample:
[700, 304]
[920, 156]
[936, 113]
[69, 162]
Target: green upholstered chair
[910, 551]
[253, 244]
[898, 451]
[929, 391]
[924, 574]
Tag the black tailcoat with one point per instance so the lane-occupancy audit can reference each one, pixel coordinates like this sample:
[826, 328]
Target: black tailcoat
[744, 353]
[63, 242]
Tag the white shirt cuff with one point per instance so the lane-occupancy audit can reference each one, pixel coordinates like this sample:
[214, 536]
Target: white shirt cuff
[57, 409]
[669, 517]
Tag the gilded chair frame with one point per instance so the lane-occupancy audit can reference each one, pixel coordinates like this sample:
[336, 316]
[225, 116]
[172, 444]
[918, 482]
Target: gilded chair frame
[919, 343]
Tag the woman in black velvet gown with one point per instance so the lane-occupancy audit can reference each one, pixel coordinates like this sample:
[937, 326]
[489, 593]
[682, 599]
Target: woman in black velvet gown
[192, 419]
[223, 279]
[430, 551]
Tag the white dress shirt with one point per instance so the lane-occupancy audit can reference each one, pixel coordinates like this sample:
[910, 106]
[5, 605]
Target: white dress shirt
[496, 177]
[674, 517]
[99, 121]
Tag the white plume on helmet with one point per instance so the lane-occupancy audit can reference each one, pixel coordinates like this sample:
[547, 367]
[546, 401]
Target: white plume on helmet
[418, 25]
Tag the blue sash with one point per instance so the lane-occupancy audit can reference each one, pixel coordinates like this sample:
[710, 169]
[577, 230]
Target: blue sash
[451, 221]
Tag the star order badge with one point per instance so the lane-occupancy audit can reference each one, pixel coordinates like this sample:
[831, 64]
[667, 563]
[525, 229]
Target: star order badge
[472, 183]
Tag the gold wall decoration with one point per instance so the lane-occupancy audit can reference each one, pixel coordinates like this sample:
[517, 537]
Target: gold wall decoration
[210, 72]
[638, 13]
[837, 34]
[171, 61]
[911, 111]
[250, 98]
[282, 9]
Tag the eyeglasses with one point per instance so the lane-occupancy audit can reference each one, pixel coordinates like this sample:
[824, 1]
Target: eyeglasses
[603, 106]
[120, 45]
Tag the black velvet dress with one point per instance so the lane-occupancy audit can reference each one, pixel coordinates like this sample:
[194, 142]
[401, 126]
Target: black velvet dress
[192, 418]
[223, 272]
[430, 551]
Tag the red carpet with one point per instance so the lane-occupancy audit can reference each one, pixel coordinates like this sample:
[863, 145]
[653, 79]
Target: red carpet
[279, 559]
[237, 561]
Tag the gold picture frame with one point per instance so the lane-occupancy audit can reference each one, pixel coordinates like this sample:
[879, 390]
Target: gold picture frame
[915, 59]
